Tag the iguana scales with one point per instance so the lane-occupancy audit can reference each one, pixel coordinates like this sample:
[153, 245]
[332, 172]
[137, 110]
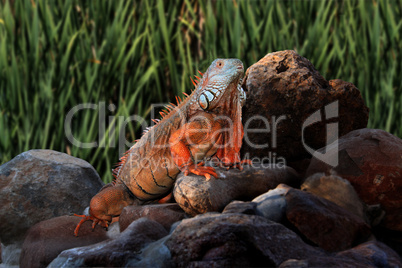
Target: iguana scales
[206, 124]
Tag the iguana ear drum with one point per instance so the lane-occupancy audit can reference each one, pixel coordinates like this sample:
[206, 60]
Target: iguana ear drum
[205, 99]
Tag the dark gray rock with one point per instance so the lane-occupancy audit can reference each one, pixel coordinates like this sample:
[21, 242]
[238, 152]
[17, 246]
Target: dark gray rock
[41, 184]
[272, 204]
[114, 252]
[227, 240]
[371, 254]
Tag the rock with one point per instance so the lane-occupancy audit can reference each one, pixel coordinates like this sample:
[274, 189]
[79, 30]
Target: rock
[165, 214]
[248, 208]
[41, 184]
[283, 90]
[370, 159]
[373, 253]
[336, 190]
[196, 195]
[10, 256]
[327, 261]
[155, 254]
[391, 238]
[272, 205]
[47, 239]
[227, 240]
[113, 252]
[333, 228]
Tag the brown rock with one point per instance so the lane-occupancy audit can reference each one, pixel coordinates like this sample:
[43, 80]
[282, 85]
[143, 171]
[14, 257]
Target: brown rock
[196, 195]
[284, 89]
[47, 239]
[113, 252]
[323, 222]
[227, 240]
[336, 190]
[165, 214]
[370, 159]
[41, 184]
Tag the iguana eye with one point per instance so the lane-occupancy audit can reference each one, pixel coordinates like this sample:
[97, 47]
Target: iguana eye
[203, 101]
[220, 64]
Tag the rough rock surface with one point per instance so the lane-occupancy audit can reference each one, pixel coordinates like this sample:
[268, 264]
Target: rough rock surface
[156, 254]
[323, 222]
[370, 254]
[336, 190]
[165, 214]
[371, 160]
[284, 89]
[47, 239]
[41, 184]
[391, 238]
[227, 240]
[374, 253]
[113, 252]
[248, 208]
[196, 195]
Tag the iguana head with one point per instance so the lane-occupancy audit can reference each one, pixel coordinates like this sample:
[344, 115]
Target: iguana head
[219, 92]
[221, 83]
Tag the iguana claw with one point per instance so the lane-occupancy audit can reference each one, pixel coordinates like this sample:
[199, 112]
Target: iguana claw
[85, 218]
[199, 169]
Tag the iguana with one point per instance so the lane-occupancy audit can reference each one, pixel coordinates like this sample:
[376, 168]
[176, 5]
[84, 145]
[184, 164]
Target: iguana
[206, 124]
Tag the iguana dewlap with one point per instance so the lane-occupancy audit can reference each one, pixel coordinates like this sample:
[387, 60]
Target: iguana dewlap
[206, 124]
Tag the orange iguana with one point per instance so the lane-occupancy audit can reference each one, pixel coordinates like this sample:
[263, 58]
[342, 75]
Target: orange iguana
[206, 124]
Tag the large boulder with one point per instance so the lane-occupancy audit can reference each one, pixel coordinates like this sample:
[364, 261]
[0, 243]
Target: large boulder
[283, 91]
[47, 239]
[41, 184]
[371, 160]
[196, 195]
[227, 240]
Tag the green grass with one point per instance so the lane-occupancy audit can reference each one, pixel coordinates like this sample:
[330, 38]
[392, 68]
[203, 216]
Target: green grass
[57, 54]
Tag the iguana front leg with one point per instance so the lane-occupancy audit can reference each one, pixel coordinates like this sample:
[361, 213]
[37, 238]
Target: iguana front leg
[192, 143]
[105, 205]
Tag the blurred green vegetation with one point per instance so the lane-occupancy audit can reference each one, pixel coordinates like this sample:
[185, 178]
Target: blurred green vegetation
[57, 54]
